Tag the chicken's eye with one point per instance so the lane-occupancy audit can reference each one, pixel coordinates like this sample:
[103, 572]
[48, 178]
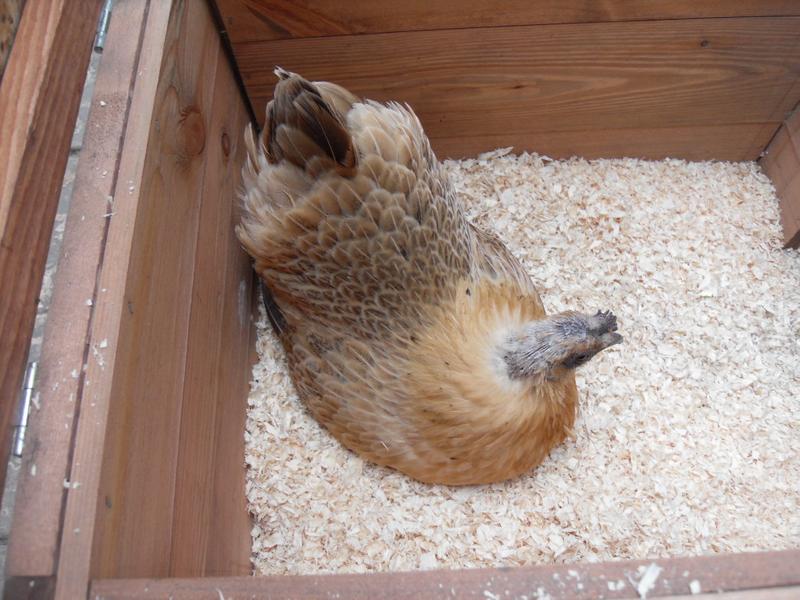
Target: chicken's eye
[576, 360]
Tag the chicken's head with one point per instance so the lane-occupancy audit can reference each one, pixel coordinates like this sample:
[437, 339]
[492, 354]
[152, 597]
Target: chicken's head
[561, 342]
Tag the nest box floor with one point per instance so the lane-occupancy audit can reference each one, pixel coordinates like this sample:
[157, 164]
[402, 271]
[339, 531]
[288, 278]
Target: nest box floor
[688, 439]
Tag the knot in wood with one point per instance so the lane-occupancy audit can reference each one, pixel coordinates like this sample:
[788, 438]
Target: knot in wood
[226, 145]
[191, 131]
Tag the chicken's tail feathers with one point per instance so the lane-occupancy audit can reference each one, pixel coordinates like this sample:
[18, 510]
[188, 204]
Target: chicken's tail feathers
[305, 125]
[254, 157]
[282, 73]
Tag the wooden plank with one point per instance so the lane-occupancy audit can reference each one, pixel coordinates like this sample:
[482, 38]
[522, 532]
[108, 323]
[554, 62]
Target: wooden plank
[229, 538]
[259, 20]
[780, 159]
[128, 589]
[723, 142]
[86, 503]
[134, 537]
[40, 494]
[790, 213]
[579, 582]
[216, 376]
[781, 163]
[39, 99]
[585, 77]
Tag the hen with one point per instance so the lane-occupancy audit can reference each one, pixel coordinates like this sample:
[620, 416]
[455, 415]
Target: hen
[416, 338]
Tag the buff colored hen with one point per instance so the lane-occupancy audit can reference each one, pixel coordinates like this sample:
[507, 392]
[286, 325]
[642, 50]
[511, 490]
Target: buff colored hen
[417, 339]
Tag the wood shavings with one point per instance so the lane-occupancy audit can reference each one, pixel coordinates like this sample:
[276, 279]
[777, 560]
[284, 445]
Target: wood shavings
[687, 442]
[648, 580]
[616, 586]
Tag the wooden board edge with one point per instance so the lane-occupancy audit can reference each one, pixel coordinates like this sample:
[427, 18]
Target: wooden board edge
[611, 580]
[230, 56]
[780, 162]
[775, 593]
[733, 142]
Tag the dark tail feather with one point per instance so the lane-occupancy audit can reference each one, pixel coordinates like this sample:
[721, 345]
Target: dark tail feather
[274, 314]
[303, 128]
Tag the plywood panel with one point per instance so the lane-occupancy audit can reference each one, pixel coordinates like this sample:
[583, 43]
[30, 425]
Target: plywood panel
[39, 99]
[33, 546]
[254, 20]
[587, 77]
[558, 582]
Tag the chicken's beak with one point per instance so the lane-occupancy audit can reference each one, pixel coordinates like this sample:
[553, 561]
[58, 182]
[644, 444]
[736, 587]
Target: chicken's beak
[610, 339]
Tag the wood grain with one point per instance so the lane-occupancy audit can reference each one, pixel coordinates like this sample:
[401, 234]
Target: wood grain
[140, 462]
[159, 440]
[575, 582]
[33, 545]
[100, 421]
[781, 163]
[39, 99]
[229, 539]
[530, 80]
[210, 507]
[260, 20]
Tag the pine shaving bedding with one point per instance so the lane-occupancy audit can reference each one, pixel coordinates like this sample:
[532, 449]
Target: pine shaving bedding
[688, 439]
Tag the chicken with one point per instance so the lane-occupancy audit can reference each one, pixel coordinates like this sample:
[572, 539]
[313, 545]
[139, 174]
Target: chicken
[413, 336]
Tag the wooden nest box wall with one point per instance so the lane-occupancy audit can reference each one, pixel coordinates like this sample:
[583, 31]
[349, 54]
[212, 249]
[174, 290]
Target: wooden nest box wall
[133, 480]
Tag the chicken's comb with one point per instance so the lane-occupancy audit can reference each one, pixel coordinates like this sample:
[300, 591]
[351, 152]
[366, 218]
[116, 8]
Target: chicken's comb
[608, 319]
